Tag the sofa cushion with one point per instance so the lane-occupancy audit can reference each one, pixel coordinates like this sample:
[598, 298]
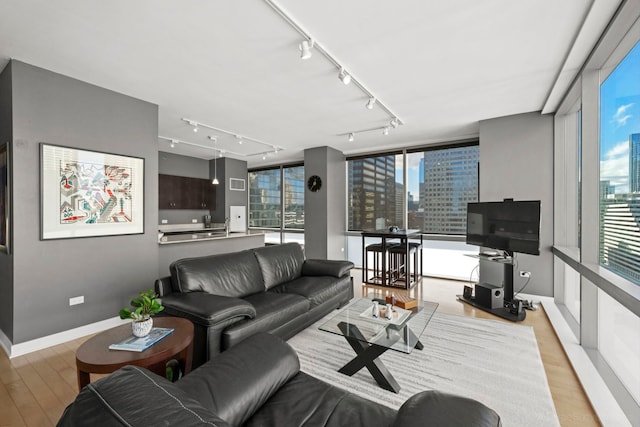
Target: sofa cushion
[317, 289]
[320, 404]
[280, 263]
[109, 402]
[272, 310]
[232, 275]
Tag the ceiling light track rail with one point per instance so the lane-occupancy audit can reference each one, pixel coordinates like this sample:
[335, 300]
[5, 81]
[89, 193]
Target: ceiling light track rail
[344, 75]
[174, 141]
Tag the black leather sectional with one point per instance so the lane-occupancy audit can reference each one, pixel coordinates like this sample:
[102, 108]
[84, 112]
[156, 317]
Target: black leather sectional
[256, 383]
[230, 297]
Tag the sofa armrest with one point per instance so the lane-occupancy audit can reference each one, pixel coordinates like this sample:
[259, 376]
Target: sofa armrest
[237, 382]
[162, 286]
[206, 309]
[325, 267]
[444, 409]
[135, 396]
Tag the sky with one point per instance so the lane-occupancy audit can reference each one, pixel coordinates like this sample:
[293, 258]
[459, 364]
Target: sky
[619, 118]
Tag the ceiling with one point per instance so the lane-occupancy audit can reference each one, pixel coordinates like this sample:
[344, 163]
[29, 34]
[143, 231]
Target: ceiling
[440, 66]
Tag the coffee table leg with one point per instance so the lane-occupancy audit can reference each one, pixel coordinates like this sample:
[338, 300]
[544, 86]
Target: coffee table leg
[411, 339]
[367, 356]
[83, 379]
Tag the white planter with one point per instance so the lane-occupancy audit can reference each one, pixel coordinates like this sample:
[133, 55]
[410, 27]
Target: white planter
[142, 329]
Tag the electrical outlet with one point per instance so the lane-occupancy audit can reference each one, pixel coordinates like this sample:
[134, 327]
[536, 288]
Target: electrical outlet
[195, 221]
[76, 300]
[525, 274]
[165, 221]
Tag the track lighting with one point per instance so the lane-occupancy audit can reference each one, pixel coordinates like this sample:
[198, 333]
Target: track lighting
[264, 157]
[309, 42]
[239, 138]
[371, 103]
[385, 130]
[352, 136]
[173, 143]
[344, 76]
[305, 49]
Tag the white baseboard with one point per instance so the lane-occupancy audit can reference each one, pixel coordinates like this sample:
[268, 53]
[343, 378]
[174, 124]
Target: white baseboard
[15, 350]
[603, 402]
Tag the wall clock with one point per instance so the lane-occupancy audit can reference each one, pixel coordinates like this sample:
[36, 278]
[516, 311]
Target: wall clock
[314, 183]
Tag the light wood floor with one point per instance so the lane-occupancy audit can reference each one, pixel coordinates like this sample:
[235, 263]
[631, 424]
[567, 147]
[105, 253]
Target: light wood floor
[35, 388]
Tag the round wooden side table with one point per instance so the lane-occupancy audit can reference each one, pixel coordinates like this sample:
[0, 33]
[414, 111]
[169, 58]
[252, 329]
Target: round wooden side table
[95, 357]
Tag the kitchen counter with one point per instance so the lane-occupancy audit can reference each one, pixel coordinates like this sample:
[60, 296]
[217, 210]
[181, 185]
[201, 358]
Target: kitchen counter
[179, 244]
[172, 238]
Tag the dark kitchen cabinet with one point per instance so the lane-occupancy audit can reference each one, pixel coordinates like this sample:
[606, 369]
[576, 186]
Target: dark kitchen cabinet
[180, 192]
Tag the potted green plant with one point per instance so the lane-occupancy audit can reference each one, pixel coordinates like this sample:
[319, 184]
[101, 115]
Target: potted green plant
[145, 306]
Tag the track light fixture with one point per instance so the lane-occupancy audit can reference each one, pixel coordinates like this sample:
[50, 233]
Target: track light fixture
[305, 49]
[240, 138]
[344, 76]
[352, 136]
[371, 102]
[394, 122]
[173, 143]
[385, 130]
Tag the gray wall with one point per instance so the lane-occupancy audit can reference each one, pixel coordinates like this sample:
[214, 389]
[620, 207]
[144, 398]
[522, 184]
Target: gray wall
[107, 271]
[6, 259]
[229, 168]
[516, 161]
[325, 210]
[175, 164]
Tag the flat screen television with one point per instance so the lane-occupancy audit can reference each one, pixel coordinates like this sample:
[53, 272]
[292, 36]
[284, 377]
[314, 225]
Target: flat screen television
[509, 225]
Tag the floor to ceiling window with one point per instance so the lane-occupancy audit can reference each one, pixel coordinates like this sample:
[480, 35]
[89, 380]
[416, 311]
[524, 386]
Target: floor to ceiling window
[276, 203]
[597, 217]
[620, 168]
[375, 192]
[440, 183]
[619, 243]
[425, 189]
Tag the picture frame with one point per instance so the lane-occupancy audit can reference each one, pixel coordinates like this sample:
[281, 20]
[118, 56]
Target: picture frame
[5, 198]
[87, 193]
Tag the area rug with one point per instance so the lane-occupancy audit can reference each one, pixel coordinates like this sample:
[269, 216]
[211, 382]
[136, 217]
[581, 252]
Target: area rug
[493, 362]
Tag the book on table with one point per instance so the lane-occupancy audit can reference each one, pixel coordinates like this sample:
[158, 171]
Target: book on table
[134, 343]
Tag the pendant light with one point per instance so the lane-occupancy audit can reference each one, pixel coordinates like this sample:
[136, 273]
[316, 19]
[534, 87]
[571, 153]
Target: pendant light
[215, 172]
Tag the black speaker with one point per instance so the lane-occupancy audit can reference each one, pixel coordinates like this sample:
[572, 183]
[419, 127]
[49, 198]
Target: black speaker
[489, 296]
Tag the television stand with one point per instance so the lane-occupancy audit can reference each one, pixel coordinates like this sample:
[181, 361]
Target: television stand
[500, 312]
[503, 312]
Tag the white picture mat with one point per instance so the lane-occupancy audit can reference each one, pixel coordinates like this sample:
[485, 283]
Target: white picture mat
[51, 159]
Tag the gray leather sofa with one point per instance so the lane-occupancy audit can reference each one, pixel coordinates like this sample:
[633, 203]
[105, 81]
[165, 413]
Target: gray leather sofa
[256, 383]
[230, 297]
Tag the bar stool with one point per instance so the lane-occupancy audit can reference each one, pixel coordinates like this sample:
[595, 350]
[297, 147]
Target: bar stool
[376, 250]
[398, 258]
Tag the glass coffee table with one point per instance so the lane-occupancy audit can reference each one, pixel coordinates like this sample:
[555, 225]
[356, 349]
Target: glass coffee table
[370, 337]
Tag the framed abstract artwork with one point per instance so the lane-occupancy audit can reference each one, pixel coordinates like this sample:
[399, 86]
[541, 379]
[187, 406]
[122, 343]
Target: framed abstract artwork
[89, 193]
